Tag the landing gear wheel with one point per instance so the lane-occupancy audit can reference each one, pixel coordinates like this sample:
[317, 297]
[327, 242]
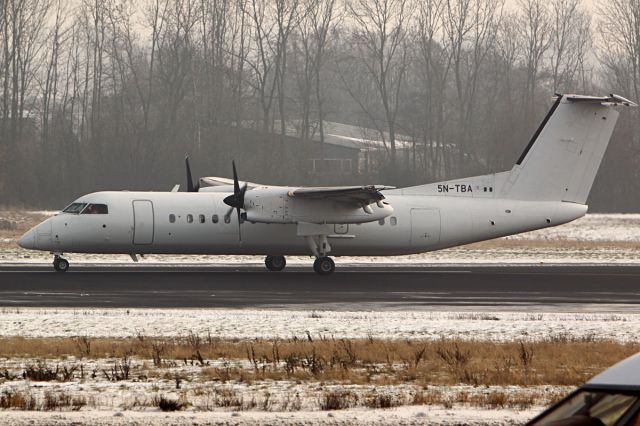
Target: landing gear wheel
[60, 264]
[275, 263]
[324, 265]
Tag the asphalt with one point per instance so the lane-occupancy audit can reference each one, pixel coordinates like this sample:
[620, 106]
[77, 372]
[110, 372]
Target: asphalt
[609, 288]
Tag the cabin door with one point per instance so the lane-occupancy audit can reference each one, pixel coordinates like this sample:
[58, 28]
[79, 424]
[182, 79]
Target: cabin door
[425, 227]
[142, 222]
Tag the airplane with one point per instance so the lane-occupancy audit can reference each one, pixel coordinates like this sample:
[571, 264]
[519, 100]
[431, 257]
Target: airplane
[548, 186]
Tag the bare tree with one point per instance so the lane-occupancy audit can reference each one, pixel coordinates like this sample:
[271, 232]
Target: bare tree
[471, 27]
[433, 71]
[570, 41]
[315, 28]
[535, 38]
[261, 59]
[380, 37]
[287, 15]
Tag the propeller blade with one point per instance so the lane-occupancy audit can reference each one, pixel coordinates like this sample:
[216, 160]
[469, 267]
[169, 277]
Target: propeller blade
[236, 184]
[236, 200]
[190, 187]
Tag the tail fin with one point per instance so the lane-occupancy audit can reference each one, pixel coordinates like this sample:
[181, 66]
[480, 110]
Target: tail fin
[562, 159]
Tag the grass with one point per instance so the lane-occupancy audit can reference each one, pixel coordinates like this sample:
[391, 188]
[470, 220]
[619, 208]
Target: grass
[559, 360]
[334, 374]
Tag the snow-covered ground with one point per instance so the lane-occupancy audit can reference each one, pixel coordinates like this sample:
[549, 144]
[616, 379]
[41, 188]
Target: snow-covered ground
[252, 401]
[252, 323]
[596, 238]
[593, 227]
[408, 416]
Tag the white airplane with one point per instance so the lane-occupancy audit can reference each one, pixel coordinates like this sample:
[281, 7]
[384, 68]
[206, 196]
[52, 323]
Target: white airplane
[548, 186]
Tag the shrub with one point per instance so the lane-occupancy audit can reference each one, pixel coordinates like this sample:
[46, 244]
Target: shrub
[167, 404]
[19, 400]
[338, 400]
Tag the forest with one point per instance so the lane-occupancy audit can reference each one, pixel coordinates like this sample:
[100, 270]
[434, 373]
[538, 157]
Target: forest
[111, 94]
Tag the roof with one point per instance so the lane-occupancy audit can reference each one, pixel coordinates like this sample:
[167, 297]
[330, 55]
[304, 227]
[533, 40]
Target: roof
[362, 138]
[344, 135]
[625, 374]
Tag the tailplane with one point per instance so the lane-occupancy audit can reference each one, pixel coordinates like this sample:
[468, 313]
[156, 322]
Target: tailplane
[561, 160]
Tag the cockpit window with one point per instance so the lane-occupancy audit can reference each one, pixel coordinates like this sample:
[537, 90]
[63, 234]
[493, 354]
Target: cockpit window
[74, 208]
[96, 209]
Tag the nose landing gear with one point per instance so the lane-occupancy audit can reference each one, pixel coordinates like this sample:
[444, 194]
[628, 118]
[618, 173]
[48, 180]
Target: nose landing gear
[275, 263]
[60, 264]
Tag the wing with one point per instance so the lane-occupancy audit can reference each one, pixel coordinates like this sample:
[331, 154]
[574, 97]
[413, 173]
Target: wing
[210, 181]
[359, 195]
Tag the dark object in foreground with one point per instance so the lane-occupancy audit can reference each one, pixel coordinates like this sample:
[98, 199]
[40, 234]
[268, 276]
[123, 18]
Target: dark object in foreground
[610, 398]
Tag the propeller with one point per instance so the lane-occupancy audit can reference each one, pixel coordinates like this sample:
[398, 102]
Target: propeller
[190, 186]
[236, 200]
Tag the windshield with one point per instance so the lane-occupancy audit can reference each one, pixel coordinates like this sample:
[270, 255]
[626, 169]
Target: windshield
[74, 208]
[596, 408]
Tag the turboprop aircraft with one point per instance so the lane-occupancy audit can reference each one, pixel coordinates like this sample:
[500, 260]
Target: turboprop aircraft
[548, 186]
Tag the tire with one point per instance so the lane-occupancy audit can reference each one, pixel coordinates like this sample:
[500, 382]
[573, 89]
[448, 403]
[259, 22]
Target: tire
[61, 265]
[275, 263]
[324, 265]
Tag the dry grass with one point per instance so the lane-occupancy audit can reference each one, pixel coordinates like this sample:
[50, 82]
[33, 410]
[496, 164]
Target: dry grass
[490, 400]
[17, 400]
[556, 361]
[51, 401]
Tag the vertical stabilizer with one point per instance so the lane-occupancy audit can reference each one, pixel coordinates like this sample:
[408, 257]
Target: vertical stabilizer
[562, 159]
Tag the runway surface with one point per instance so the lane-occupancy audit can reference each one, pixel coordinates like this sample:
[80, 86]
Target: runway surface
[607, 288]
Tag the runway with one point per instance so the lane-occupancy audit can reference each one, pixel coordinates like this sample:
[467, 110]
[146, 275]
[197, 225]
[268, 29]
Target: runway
[607, 288]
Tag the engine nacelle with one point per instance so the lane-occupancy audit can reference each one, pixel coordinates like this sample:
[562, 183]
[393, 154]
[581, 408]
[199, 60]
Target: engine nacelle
[274, 205]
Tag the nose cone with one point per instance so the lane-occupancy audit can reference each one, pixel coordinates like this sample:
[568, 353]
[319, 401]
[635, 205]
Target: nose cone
[28, 240]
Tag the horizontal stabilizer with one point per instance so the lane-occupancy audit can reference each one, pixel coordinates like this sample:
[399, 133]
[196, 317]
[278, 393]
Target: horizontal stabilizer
[608, 100]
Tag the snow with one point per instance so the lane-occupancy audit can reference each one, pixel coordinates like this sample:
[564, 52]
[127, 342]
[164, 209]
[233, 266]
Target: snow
[253, 323]
[244, 402]
[592, 227]
[412, 415]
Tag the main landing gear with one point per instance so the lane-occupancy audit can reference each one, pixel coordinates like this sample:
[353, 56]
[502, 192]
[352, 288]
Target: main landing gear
[324, 265]
[60, 264]
[275, 263]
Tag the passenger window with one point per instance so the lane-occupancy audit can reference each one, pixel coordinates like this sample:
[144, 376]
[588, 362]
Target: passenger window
[172, 218]
[189, 218]
[227, 219]
[393, 221]
[381, 221]
[215, 218]
[95, 209]
[202, 219]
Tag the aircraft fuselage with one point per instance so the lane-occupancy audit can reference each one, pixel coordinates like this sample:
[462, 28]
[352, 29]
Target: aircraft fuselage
[197, 223]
